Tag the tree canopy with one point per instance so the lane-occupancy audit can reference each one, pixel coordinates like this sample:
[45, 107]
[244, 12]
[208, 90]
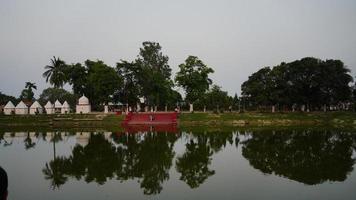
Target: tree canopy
[310, 81]
[193, 77]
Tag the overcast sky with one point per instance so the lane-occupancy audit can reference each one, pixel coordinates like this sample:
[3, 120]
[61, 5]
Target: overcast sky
[235, 37]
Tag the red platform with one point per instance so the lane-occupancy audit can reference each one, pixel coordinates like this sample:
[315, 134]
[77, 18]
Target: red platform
[151, 118]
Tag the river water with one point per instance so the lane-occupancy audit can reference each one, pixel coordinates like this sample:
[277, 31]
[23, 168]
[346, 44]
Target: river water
[248, 163]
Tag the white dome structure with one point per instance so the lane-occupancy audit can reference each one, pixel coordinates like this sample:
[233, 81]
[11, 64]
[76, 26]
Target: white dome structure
[83, 105]
[57, 107]
[9, 108]
[49, 107]
[65, 108]
[83, 100]
[36, 108]
[21, 109]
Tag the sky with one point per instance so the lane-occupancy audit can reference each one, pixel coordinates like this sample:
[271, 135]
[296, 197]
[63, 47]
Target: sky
[234, 37]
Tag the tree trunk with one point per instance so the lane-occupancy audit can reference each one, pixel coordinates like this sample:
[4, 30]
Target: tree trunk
[191, 108]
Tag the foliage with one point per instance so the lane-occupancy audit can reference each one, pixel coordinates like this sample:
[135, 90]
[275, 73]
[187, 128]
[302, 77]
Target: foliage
[102, 82]
[132, 76]
[309, 81]
[193, 77]
[5, 98]
[52, 94]
[27, 93]
[155, 73]
[56, 72]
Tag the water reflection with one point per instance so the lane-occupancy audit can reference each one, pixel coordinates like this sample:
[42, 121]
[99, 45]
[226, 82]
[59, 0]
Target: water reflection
[147, 156]
[304, 156]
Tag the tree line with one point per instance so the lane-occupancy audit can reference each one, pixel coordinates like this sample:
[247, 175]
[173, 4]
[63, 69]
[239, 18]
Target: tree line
[306, 84]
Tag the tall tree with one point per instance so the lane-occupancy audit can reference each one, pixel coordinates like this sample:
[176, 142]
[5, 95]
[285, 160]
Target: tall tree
[131, 90]
[155, 73]
[193, 77]
[56, 72]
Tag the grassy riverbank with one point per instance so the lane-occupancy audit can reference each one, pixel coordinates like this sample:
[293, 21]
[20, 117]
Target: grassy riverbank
[335, 119]
[269, 119]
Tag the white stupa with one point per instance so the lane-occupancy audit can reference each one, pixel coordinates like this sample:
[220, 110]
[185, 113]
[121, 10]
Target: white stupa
[9, 108]
[65, 108]
[57, 107]
[83, 105]
[36, 108]
[21, 109]
[49, 108]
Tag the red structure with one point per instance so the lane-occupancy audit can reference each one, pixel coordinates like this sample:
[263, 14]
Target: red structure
[151, 118]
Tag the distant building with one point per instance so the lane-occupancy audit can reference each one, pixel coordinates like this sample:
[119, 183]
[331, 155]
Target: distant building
[83, 105]
[21, 109]
[9, 108]
[57, 107]
[65, 108]
[49, 107]
[36, 108]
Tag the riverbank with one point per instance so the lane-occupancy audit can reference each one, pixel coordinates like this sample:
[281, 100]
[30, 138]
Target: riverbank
[110, 121]
[344, 119]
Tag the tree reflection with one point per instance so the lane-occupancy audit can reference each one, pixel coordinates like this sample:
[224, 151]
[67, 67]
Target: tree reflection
[146, 157]
[194, 163]
[28, 142]
[306, 156]
[53, 171]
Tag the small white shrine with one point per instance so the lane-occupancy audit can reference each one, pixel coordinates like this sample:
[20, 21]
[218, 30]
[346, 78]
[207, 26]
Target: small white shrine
[21, 109]
[65, 108]
[49, 107]
[57, 107]
[83, 105]
[36, 108]
[9, 108]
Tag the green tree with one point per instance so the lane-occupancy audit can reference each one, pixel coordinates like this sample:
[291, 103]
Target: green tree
[131, 89]
[27, 93]
[77, 77]
[102, 82]
[56, 72]
[52, 94]
[193, 77]
[155, 74]
[5, 98]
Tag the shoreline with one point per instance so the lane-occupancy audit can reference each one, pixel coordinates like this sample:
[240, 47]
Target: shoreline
[249, 119]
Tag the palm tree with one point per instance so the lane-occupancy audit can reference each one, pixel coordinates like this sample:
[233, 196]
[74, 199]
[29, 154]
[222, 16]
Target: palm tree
[30, 86]
[56, 72]
[27, 93]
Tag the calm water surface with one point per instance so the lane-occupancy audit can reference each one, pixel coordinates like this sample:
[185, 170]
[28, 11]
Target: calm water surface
[240, 164]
